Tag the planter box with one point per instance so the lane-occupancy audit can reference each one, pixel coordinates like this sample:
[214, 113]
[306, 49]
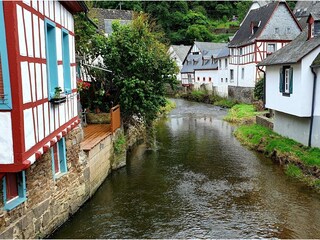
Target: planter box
[59, 100]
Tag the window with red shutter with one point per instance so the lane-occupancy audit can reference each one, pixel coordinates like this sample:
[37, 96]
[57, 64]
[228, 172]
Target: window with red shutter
[11, 186]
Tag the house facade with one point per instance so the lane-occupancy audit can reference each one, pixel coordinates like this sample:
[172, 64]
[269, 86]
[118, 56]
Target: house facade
[292, 87]
[263, 31]
[178, 53]
[199, 64]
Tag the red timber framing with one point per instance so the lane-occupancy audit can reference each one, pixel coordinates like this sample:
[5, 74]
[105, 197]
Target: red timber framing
[22, 158]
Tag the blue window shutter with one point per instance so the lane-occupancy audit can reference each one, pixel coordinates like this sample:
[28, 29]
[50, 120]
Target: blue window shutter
[66, 61]
[281, 85]
[62, 155]
[51, 54]
[5, 101]
[290, 80]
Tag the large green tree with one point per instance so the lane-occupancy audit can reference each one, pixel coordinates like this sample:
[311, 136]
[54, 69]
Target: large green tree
[141, 68]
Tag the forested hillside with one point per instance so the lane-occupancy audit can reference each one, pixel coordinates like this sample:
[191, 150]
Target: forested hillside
[185, 21]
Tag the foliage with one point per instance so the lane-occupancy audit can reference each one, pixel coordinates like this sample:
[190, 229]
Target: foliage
[178, 18]
[259, 89]
[225, 102]
[242, 113]
[301, 162]
[119, 145]
[57, 92]
[168, 107]
[82, 85]
[141, 68]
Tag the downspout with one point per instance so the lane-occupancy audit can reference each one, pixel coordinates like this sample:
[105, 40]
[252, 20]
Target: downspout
[313, 103]
[264, 86]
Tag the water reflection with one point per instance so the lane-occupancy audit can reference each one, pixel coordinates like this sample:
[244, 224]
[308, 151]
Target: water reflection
[201, 183]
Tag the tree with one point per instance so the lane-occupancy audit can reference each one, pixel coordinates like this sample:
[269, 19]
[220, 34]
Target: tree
[141, 68]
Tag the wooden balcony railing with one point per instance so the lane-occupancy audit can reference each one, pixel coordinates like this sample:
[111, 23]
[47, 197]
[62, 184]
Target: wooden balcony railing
[115, 118]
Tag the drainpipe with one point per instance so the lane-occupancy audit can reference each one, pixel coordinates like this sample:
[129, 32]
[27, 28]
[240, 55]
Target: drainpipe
[264, 86]
[312, 106]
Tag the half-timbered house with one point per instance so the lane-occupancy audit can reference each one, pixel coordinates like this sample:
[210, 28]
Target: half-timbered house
[263, 31]
[38, 92]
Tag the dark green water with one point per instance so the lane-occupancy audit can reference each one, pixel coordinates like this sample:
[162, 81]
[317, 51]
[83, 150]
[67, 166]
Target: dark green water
[201, 183]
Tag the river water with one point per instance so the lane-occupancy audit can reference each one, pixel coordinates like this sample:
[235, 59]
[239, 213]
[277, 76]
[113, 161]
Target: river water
[200, 183]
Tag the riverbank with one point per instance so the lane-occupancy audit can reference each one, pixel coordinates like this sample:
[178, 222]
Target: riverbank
[298, 160]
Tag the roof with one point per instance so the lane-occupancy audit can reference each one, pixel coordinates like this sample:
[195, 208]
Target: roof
[224, 52]
[199, 65]
[206, 46]
[316, 61]
[181, 51]
[258, 17]
[303, 9]
[294, 51]
[75, 6]
[103, 15]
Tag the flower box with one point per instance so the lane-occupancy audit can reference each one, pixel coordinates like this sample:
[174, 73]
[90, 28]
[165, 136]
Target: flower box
[58, 100]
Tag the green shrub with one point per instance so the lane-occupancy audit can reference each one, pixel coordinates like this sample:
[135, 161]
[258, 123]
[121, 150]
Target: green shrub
[259, 89]
[119, 145]
[225, 102]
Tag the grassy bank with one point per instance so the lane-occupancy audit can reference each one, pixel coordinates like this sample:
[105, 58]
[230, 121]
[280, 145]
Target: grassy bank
[300, 161]
[242, 113]
[205, 97]
[168, 107]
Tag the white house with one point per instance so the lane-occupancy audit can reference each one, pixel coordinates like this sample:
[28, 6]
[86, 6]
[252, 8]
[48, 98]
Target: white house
[292, 86]
[199, 63]
[178, 53]
[264, 30]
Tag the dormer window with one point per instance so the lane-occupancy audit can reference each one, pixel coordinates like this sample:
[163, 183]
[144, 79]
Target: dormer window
[315, 29]
[254, 26]
[313, 25]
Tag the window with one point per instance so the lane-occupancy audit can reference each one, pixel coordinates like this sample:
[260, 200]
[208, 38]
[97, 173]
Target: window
[204, 79]
[52, 66]
[58, 155]
[240, 51]
[209, 79]
[231, 74]
[198, 78]
[14, 190]
[220, 64]
[315, 29]
[288, 30]
[66, 61]
[271, 48]
[189, 78]
[286, 80]
[221, 79]
[242, 73]
[226, 63]
[5, 91]
[226, 79]
[276, 30]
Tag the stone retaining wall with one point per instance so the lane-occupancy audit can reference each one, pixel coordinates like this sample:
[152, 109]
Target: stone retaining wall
[264, 121]
[50, 202]
[241, 94]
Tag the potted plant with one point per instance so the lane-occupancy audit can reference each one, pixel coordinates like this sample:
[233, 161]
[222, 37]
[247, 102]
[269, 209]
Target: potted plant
[58, 97]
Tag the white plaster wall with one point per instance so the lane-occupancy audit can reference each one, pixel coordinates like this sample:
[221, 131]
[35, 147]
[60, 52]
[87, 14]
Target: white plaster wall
[28, 25]
[6, 146]
[203, 73]
[22, 42]
[26, 91]
[29, 127]
[298, 101]
[39, 81]
[249, 75]
[36, 36]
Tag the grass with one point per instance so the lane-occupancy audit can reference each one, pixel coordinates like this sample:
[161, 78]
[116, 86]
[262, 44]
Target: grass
[242, 113]
[225, 102]
[301, 162]
[168, 107]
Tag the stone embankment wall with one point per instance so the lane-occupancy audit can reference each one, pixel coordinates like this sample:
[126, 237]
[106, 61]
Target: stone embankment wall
[50, 202]
[241, 94]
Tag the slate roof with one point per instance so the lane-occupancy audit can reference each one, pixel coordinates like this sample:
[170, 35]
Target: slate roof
[224, 52]
[199, 65]
[106, 16]
[303, 9]
[181, 51]
[294, 51]
[207, 46]
[261, 15]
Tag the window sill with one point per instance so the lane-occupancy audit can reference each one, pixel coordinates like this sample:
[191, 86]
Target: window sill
[286, 94]
[14, 203]
[59, 175]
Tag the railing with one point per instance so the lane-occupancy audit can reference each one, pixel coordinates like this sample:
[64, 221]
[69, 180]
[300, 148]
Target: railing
[115, 118]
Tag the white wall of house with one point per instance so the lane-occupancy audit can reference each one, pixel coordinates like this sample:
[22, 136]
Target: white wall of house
[299, 102]
[176, 58]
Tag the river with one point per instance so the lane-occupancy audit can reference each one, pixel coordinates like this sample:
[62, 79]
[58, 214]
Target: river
[200, 183]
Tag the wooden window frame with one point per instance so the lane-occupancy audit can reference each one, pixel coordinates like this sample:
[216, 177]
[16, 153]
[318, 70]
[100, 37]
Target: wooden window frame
[14, 197]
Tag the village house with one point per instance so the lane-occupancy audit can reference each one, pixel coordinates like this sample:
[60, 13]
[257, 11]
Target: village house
[178, 53]
[292, 86]
[199, 63]
[263, 31]
[46, 171]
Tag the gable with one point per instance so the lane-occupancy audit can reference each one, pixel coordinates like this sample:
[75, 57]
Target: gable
[281, 26]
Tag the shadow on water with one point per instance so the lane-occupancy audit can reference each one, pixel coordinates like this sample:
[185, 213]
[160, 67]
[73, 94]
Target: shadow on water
[201, 183]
